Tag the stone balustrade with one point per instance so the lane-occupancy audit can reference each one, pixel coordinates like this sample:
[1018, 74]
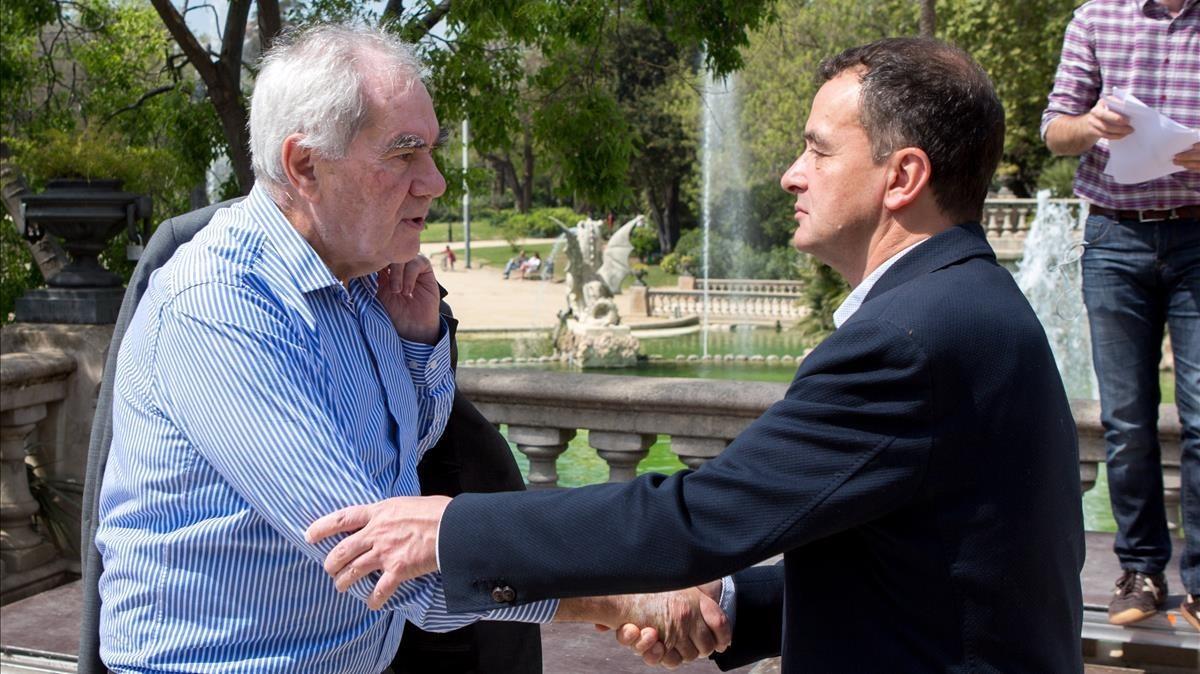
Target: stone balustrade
[1013, 217]
[31, 384]
[1007, 223]
[624, 415]
[745, 286]
[754, 306]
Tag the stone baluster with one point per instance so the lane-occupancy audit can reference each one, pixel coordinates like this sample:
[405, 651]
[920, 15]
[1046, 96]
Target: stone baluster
[693, 451]
[989, 221]
[28, 383]
[1172, 484]
[1023, 221]
[1087, 474]
[622, 451]
[543, 446]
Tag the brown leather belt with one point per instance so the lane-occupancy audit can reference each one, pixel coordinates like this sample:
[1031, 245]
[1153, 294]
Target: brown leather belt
[1179, 213]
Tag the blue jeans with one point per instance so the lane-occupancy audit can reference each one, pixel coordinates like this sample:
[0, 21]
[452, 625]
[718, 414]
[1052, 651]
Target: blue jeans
[1138, 277]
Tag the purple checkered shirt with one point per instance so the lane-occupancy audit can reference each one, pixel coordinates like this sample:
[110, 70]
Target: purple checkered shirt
[1135, 45]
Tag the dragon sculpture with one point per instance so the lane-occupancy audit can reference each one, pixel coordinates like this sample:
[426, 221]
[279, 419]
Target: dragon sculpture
[595, 272]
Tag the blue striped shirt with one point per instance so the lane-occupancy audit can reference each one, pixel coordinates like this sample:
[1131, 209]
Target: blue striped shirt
[255, 393]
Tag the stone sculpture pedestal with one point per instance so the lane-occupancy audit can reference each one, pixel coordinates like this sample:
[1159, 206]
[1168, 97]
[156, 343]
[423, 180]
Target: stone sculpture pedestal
[596, 346]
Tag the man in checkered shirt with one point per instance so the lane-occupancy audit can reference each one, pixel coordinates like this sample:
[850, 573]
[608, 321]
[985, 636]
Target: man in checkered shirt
[1141, 270]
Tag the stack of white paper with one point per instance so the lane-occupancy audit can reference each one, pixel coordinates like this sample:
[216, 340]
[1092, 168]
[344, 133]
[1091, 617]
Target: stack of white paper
[1146, 153]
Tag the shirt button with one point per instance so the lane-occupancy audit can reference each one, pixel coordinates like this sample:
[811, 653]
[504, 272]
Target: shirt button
[413, 364]
[433, 363]
[503, 594]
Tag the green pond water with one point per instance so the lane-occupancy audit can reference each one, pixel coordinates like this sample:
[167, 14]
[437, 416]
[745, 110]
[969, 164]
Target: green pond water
[580, 465]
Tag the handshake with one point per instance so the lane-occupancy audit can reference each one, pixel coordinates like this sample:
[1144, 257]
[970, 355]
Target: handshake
[666, 628]
[398, 538]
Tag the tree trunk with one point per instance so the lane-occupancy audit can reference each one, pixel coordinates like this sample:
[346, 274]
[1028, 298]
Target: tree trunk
[928, 18]
[47, 254]
[235, 120]
[525, 198]
[222, 78]
[671, 220]
[506, 174]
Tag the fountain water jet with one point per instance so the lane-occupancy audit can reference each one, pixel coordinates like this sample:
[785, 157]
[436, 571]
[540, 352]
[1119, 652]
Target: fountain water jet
[1049, 274]
[721, 154]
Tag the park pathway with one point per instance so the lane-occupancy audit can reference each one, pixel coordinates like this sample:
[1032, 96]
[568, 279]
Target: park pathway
[483, 301]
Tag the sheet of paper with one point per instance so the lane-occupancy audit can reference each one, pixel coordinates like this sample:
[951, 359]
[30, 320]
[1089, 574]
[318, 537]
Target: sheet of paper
[1146, 153]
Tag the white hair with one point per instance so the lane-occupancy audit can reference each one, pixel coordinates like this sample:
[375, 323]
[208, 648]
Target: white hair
[310, 82]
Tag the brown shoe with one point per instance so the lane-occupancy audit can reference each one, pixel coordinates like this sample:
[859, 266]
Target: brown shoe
[1137, 597]
[1190, 608]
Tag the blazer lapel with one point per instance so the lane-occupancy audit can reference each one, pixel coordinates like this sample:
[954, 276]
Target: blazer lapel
[954, 245]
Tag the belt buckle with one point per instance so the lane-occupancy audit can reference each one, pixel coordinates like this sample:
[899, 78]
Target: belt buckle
[1168, 215]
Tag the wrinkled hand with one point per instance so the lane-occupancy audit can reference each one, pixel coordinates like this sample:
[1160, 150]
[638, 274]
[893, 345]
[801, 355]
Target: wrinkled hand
[397, 537]
[671, 628]
[409, 293]
[1189, 159]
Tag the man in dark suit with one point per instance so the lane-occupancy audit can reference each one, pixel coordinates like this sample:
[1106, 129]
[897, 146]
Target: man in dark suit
[470, 456]
[920, 477]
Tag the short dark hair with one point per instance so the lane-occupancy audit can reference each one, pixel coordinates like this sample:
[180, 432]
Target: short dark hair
[924, 93]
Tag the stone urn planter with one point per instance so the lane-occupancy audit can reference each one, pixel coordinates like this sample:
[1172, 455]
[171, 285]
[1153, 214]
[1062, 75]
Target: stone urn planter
[84, 215]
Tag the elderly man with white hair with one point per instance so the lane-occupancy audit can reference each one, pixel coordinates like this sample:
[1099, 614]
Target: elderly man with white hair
[289, 361]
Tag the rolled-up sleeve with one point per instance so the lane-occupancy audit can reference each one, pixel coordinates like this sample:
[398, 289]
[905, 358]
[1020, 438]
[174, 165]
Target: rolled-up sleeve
[1077, 82]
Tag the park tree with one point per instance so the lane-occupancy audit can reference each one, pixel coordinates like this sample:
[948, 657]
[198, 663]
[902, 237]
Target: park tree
[512, 67]
[1018, 44]
[928, 21]
[89, 91]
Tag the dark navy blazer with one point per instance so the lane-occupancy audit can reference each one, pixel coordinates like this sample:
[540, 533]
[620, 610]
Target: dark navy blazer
[920, 477]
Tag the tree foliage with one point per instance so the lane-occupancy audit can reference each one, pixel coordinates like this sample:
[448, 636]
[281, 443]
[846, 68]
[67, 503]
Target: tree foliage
[1018, 44]
[507, 65]
[95, 96]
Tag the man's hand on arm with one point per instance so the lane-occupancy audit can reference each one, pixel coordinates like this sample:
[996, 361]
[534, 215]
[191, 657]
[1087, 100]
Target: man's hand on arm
[397, 537]
[1073, 136]
[409, 293]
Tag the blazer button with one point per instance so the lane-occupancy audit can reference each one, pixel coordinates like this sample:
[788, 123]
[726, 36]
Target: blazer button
[503, 594]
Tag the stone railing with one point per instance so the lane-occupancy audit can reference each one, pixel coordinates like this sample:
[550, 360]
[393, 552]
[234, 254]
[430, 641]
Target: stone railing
[1007, 223]
[624, 415]
[1013, 217]
[744, 286]
[31, 386]
[766, 307]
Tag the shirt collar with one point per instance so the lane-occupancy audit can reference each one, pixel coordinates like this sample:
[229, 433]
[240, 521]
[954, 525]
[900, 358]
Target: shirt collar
[855, 299]
[1147, 4]
[305, 266]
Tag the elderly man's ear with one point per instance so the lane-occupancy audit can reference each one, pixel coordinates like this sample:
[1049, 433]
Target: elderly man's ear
[909, 172]
[299, 164]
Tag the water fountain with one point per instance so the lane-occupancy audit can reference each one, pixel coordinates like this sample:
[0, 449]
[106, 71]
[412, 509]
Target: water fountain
[1049, 275]
[722, 205]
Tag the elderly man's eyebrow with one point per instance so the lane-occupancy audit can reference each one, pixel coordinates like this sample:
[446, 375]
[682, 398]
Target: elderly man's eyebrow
[411, 141]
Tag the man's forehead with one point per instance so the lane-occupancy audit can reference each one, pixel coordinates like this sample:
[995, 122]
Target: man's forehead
[405, 109]
[835, 105]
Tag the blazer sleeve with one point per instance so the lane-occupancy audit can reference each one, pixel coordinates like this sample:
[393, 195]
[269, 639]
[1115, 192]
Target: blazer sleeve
[847, 444]
[758, 630]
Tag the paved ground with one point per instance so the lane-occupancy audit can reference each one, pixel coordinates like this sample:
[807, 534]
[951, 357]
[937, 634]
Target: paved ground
[483, 300]
[49, 623]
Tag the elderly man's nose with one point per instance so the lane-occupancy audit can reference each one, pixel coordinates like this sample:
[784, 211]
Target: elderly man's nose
[430, 183]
